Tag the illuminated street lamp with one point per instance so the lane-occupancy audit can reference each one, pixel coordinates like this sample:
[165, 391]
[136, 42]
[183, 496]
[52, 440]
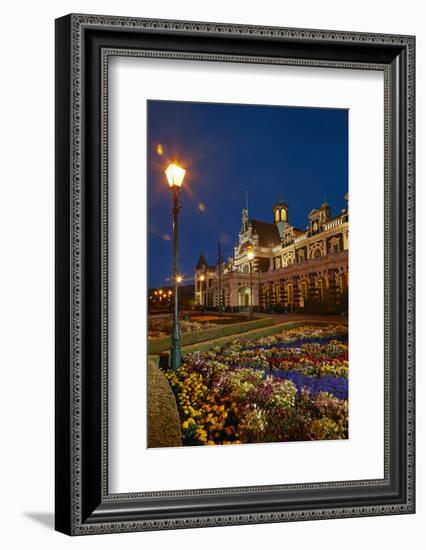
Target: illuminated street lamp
[175, 175]
[250, 257]
[203, 292]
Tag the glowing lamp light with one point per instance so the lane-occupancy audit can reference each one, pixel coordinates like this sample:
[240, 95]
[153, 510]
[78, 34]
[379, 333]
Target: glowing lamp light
[179, 279]
[250, 255]
[175, 175]
[202, 278]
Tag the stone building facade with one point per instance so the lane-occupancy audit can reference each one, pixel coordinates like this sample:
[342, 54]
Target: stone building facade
[278, 267]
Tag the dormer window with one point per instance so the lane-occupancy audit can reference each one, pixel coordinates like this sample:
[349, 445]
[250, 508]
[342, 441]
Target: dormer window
[280, 212]
[277, 215]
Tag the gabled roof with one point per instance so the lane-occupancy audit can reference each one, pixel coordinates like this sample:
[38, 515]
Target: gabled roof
[268, 232]
[201, 262]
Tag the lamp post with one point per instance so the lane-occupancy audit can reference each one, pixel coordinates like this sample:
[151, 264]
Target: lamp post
[203, 292]
[258, 288]
[175, 175]
[250, 256]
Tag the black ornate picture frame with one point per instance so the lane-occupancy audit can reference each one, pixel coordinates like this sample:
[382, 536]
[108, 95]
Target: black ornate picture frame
[84, 44]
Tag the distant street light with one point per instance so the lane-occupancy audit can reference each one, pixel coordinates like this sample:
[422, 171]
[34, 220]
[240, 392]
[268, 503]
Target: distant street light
[250, 257]
[259, 293]
[175, 175]
[203, 292]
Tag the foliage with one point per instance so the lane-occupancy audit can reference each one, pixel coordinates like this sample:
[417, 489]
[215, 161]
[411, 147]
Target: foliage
[162, 343]
[162, 326]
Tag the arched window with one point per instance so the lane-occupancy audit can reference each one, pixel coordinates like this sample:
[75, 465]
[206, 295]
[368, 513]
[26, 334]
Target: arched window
[277, 262]
[316, 253]
[283, 215]
[288, 260]
[304, 289]
[277, 215]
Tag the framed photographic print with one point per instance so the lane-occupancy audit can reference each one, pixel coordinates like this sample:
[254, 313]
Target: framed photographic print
[234, 274]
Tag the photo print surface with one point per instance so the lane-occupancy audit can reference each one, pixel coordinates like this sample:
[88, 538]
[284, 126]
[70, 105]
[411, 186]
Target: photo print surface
[248, 255]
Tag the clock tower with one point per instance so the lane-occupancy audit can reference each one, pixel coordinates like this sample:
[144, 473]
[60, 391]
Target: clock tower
[281, 217]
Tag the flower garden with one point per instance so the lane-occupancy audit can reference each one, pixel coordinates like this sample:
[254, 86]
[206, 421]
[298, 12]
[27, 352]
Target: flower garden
[291, 386]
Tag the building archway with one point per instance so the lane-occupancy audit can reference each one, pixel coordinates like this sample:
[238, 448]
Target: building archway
[244, 296]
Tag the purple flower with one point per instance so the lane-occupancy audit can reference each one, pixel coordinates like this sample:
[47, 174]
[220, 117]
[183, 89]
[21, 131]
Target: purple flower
[337, 386]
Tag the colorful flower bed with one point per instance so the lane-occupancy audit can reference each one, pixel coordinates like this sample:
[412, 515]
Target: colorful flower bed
[288, 387]
[204, 318]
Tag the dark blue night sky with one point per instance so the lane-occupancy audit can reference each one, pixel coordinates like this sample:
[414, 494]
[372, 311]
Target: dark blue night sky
[299, 155]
